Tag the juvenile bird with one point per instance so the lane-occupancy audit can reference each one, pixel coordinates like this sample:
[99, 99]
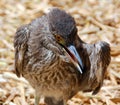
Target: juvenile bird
[55, 61]
[46, 57]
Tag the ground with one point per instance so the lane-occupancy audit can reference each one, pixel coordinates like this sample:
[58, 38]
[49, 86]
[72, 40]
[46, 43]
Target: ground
[96, 20]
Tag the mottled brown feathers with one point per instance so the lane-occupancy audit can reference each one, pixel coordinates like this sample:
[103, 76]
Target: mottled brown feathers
[41, 60]
[20, 44]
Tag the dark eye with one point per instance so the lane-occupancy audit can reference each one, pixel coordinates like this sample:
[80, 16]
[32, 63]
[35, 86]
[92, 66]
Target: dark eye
[58, 38]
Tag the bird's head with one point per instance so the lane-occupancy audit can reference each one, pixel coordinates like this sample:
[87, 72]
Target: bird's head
[63, 28]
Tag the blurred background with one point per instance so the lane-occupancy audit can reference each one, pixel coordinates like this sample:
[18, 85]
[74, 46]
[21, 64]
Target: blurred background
[96, 20]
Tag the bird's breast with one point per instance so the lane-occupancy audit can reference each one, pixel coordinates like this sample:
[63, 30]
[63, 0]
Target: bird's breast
[52, 75]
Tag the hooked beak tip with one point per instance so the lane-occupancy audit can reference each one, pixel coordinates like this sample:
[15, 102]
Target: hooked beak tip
[79, 68]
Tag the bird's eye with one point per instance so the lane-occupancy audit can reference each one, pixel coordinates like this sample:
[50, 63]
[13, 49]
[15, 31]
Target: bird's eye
[58, 38]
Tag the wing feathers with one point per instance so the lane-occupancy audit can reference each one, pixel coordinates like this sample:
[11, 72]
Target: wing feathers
[101, 59]
[20, 44]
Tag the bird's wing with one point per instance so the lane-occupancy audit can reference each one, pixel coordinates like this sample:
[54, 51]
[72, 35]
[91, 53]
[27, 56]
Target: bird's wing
[100, 59]
[20, 45]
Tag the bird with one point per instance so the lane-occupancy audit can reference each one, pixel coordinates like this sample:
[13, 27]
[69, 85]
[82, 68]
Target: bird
[55, 61]
[47, 60]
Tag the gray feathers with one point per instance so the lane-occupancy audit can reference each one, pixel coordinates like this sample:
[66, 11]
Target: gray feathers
[60, 22]
[20, 44]
[38, 58]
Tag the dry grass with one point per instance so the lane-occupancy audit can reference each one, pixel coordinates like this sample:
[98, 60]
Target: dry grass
[96, 20]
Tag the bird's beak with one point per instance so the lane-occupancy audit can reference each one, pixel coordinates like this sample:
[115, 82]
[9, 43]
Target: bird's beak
[75, 58]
